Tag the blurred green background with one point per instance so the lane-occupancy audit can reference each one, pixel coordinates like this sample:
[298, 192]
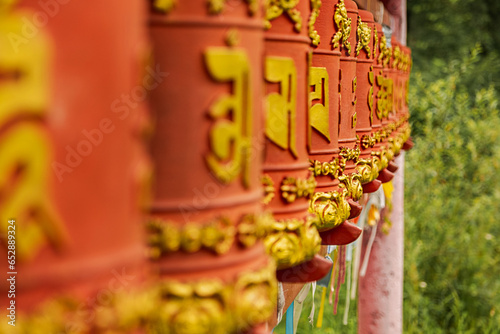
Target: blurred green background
[452, 185]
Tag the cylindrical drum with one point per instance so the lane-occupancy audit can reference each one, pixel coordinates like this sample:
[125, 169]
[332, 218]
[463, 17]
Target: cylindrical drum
[73, 165]
[206, 223]
[288, 182]
[346, 22]
[366, 165]
[329, 202]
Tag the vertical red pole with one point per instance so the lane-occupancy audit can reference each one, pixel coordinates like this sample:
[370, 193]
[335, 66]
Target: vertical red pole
[380, 307]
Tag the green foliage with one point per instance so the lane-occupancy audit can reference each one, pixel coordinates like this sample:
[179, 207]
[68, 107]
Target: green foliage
[452, 191]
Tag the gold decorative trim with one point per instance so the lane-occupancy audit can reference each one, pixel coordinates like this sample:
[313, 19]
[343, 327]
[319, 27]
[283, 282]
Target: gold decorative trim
[291, 242]
[350, 153]
[217, 235]
[164, 6]
[313, 33]
[331, 208]
[205, 307]
[343, 23]
[368, 141]
[275, 8]
[293, 188]
[368, 169]
[268, 185]
[218, 6]
[352, 183]
[333, 168]
[382, 158]
[364, 36]
[385, 52]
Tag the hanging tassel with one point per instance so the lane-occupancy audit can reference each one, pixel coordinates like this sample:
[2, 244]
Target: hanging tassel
[332, 278]
[339, 278]
[289, 319]
[311, 315]
[319, 324]
[347, 299]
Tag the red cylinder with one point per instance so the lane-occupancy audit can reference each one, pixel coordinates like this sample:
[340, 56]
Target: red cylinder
[74, 159]
[366, 165]
[288, 181]
[206, 222]
[345, 18]
[329, 202]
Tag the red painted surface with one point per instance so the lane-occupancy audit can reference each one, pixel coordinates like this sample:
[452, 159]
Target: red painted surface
[380, 304]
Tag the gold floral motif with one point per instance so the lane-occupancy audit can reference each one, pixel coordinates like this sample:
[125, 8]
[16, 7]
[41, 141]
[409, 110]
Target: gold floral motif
[352, 183]
[313, 33]
[217, 6]
[205, 306]
[217, 236]
[396, 57]
[364, 37]
[293, 188]
[350, 153]
[164, 6]
[368, 169]
[332, 168]
[331, 208]
[382, 158]
[293, 241]
[275, 8]
[385, 52]
[368, 141]
[268, 184]
[343, 23]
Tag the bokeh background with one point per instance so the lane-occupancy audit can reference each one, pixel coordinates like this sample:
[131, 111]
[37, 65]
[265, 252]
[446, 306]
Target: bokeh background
[452, 175]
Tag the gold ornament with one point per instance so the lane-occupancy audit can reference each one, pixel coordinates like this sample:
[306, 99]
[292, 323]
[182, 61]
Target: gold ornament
[364, 37]
[331, 208]
[343, 23]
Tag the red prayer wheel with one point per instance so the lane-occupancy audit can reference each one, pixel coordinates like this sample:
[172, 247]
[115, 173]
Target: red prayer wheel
[346, 18]
[289, 183]
[73, 162]
[206, 217]
[329, 202]
[367, 164]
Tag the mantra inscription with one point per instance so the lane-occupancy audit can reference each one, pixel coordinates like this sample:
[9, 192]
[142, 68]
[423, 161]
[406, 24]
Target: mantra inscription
[25, 148]
[231, 134]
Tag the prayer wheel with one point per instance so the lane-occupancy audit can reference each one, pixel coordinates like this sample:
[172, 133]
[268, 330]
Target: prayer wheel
[73, 162]
[330, 201]
[206, 222]
[346, 20]
[288, 182]
[367, 165]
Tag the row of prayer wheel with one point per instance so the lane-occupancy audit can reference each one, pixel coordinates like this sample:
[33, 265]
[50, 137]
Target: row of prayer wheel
[168, 161]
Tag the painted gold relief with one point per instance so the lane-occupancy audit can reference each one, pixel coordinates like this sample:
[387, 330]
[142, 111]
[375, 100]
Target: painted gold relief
[313, 33]
[364, 36]
[164, 6]
[294, 188]
[230, 136]
[218, 235]
[205, 306]
[25, 147]
[367, 169]
[281, 107]
[275, 8]
[385, 52]
[268, 185]
[343, 24]
[319, 113]
[333, 168]
[352, 183]
[331, 208]
[218, 6]
[293, 241]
